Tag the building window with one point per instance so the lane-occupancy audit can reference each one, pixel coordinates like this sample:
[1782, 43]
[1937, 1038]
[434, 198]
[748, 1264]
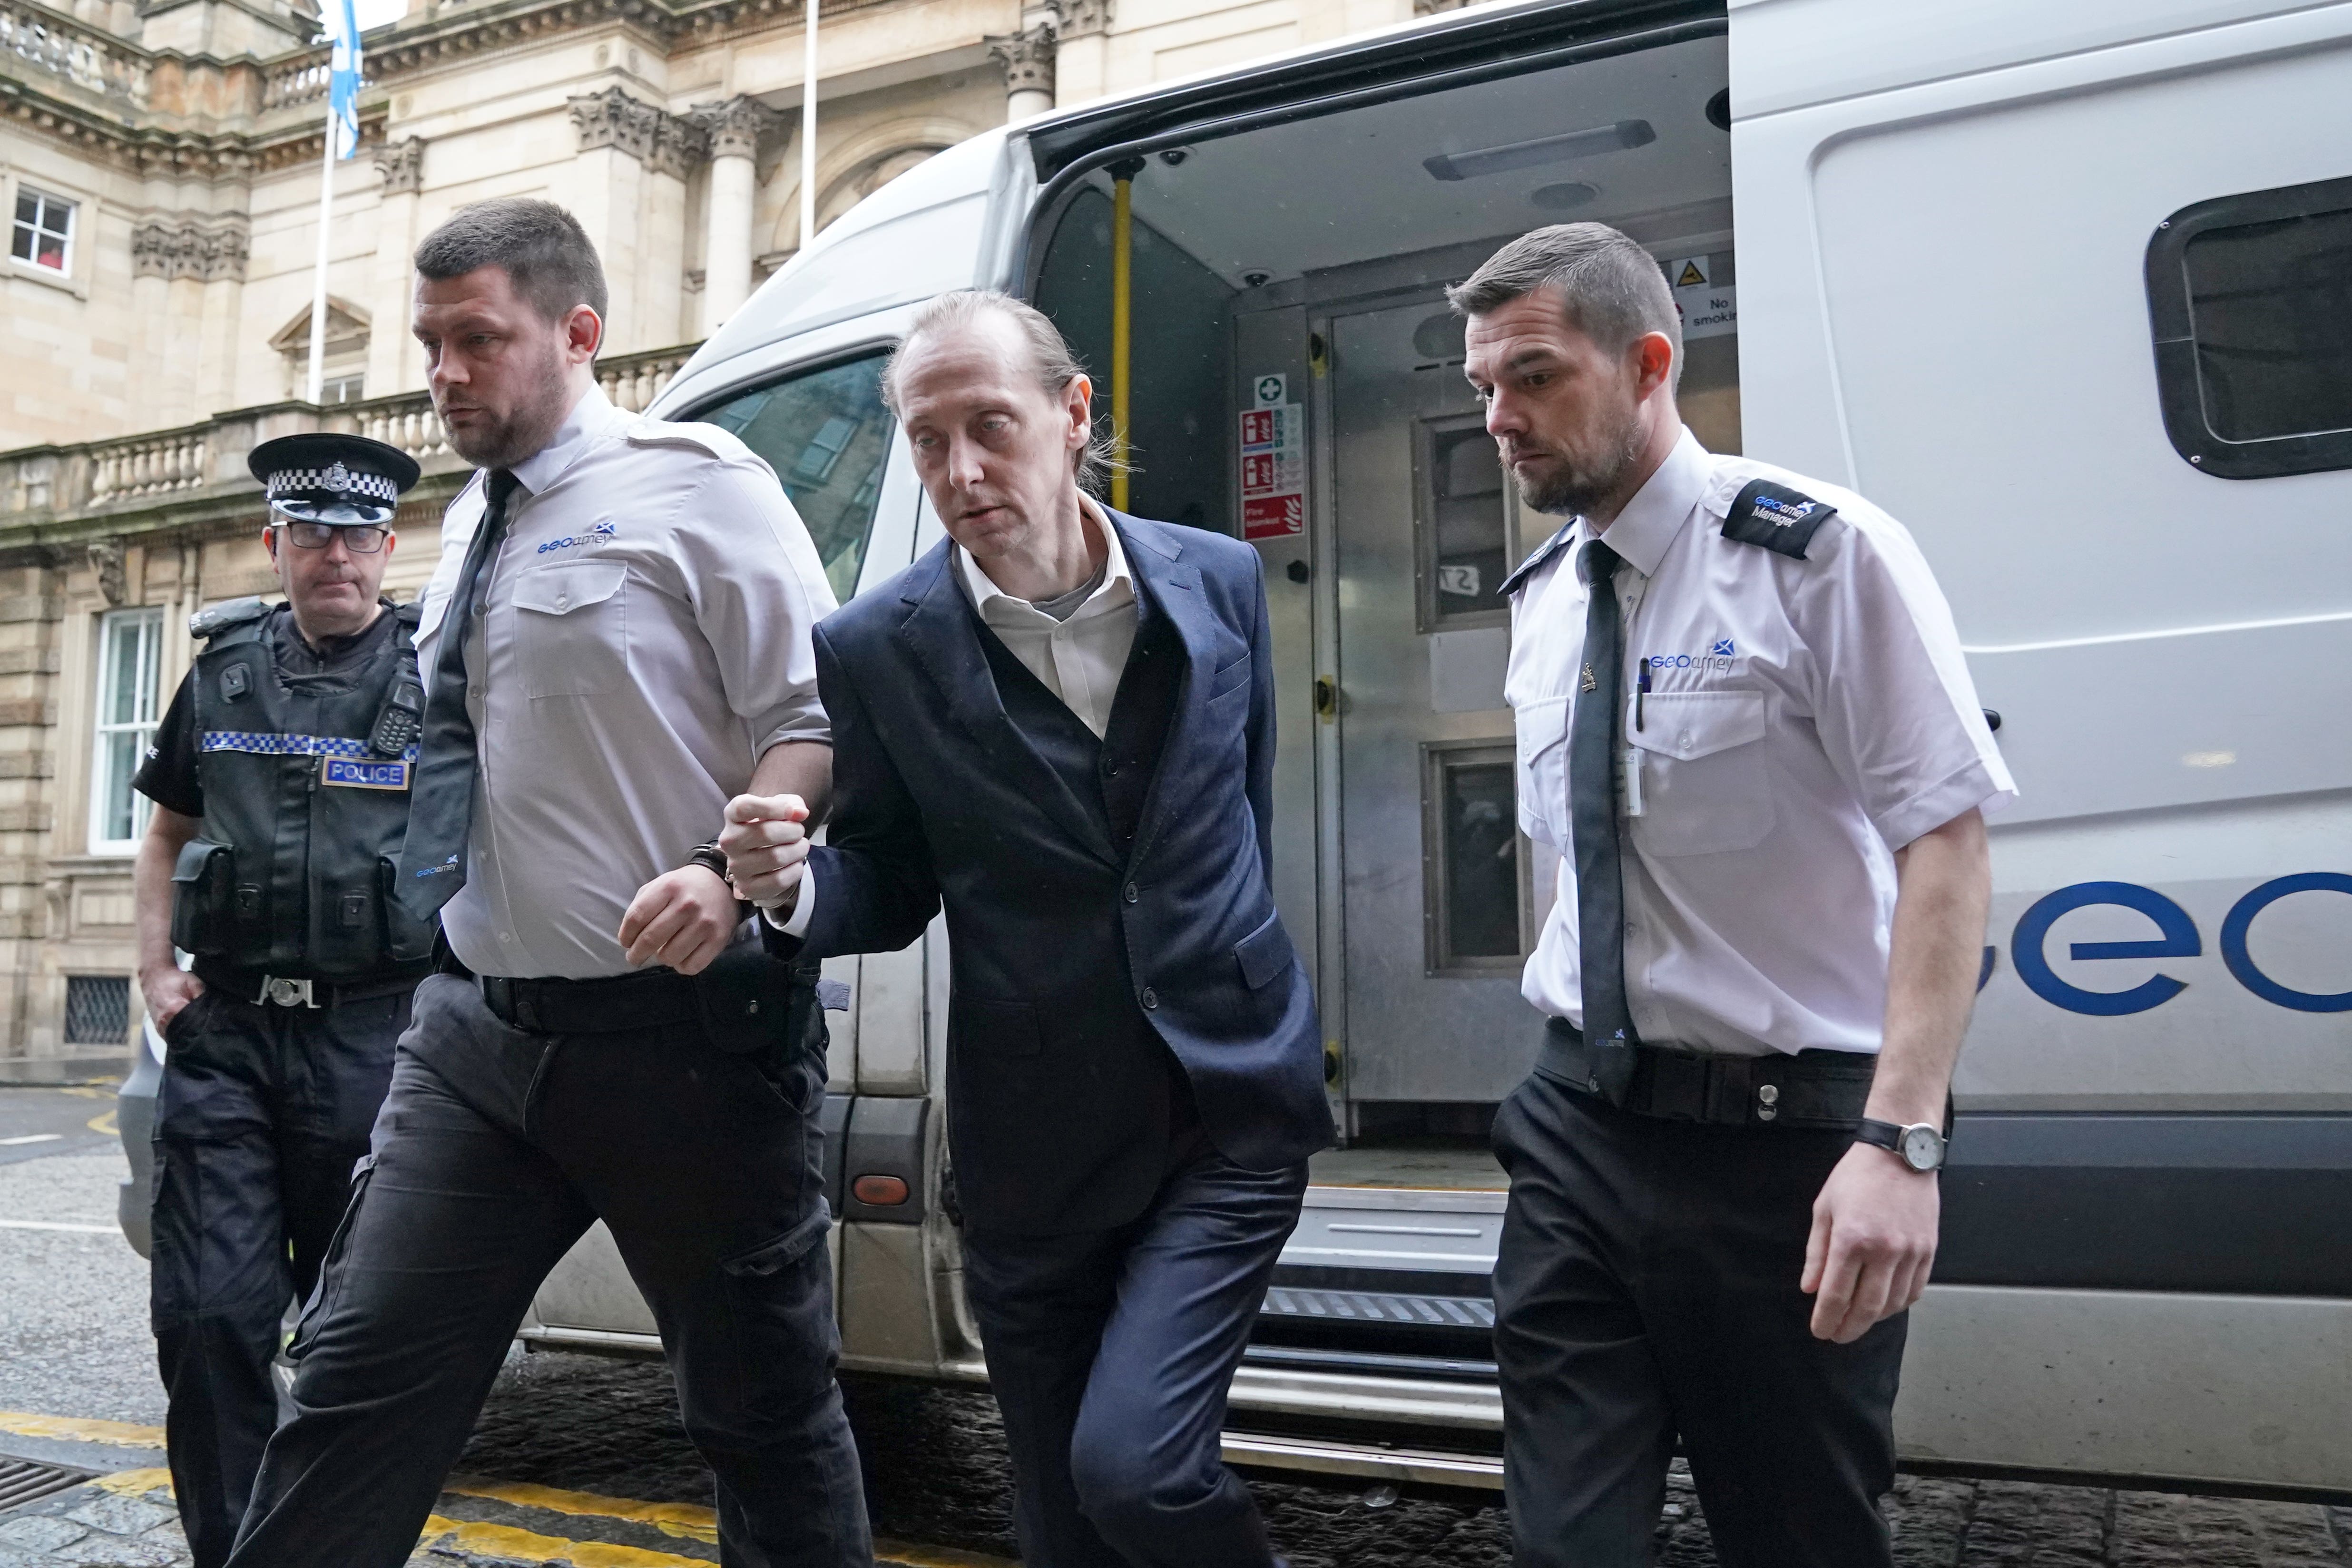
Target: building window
[98, 1009]
[130, 672]
[43, 232]
[2250, 298]
[347, 388]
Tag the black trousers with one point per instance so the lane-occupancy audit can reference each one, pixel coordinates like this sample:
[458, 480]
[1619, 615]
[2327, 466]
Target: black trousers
[1111, 1353]
[495, 1149]
[262, 1113]
[1646, 1287]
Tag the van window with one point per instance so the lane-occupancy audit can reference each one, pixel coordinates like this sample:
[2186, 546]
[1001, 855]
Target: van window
[827, 436]
[2250, 300]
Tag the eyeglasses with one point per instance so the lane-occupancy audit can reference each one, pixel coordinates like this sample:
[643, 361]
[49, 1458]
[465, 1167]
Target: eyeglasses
[358, 538]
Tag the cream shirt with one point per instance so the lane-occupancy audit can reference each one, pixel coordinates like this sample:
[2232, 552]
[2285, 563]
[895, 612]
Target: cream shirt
[1805, 718]
[1080, 660]
[643, 639]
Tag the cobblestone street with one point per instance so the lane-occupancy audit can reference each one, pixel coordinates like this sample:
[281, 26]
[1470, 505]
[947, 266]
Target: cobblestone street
[580, 1460]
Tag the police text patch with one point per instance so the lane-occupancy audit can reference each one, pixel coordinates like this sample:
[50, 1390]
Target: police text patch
[354, 774]
[1775, 517]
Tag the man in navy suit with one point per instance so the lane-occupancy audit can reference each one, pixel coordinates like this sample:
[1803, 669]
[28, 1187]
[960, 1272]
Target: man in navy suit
[1059, 724]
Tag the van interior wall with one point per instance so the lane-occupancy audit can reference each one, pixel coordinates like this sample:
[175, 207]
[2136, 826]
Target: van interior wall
[1321, 246]
[1181, 357]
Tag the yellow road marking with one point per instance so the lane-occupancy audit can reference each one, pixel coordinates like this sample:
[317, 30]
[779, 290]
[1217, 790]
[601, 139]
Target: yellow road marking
[104, 1122]
[684, 1519]
[903, 1555]
[678, 1518]
[77, 1429]
[505, 1541]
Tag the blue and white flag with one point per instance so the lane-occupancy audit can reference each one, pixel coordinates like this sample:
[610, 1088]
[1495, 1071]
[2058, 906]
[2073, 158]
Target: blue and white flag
[343, 76]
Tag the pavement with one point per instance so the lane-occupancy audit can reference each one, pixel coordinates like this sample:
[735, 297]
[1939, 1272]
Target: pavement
[580, 1460]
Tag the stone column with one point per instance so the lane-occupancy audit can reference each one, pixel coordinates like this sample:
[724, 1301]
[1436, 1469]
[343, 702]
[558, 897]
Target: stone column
[736, 129]
[1027, 58]
[1081, 65]
[627, 188]
[395, 363]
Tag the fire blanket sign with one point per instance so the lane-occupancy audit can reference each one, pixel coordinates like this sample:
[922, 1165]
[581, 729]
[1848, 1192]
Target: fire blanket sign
[1273, 468]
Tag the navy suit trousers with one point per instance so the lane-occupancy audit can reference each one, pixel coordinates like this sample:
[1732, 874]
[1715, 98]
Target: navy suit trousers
[1111, 1353]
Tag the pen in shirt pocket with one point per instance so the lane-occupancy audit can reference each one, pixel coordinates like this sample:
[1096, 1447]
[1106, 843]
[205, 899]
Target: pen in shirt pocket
[1641, 690]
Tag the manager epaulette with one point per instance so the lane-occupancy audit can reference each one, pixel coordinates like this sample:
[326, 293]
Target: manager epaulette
[1775, 517]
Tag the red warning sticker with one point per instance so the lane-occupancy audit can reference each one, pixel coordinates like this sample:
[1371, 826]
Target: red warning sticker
[1274, 517]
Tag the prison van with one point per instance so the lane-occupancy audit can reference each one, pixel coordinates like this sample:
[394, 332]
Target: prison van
[2066, 289]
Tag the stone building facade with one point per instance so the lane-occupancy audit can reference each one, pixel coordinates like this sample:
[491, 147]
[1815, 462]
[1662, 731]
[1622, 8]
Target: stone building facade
[160, 176]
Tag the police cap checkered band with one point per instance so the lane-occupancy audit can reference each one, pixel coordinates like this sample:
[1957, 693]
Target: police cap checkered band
[335, 480]
[321, 467]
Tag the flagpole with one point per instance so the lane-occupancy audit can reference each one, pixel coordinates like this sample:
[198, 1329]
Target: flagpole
[326, 217]
[808, 131]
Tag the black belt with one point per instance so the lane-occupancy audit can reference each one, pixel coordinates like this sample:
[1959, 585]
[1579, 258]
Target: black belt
[260, 987]
[1813, 1088]
[650, 1000]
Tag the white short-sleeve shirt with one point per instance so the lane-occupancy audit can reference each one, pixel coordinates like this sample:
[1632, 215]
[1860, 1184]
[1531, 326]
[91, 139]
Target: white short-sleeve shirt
[1805, 717]
[643, 641]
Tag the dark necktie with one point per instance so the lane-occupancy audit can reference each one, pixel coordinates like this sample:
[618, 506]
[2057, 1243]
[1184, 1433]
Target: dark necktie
[1593, 813]
[441, 799]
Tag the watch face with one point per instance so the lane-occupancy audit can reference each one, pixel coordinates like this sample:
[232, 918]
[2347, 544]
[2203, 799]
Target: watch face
[1923, 1148]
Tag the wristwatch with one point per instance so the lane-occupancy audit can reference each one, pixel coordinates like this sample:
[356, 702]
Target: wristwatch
[1920, 1145]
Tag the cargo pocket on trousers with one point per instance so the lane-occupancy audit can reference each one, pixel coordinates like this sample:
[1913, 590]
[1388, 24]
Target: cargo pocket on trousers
[330, 1272]
[781, 1294]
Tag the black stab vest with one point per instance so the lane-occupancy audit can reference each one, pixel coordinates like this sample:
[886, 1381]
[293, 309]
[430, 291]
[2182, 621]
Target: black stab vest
[305, 781]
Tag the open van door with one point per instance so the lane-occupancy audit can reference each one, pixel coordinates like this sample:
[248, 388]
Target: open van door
[2063, 288]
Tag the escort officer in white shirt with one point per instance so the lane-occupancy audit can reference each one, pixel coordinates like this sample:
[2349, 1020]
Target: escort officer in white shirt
[1744, 723]
[616, 642]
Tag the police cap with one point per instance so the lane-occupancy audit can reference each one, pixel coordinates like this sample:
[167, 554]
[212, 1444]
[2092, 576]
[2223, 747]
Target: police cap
[340, 481]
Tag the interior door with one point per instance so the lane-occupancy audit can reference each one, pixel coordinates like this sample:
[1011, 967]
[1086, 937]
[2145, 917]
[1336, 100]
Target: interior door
[1439, 888]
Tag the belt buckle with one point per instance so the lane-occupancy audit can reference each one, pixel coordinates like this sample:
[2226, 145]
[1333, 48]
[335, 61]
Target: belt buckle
[285, 993]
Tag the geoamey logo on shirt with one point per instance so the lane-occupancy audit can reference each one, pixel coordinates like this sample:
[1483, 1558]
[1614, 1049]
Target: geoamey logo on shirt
[596, 535]
[1716, 658]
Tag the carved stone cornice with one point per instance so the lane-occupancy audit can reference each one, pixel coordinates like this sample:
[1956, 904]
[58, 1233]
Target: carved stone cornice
[1027, 58]
[207, 252]
[401, 165]
[661, 140]
[736, 127]
[1079, 18]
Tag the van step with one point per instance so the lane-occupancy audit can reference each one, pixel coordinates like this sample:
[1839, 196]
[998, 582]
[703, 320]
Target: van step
[1382, 1308]
[1443, 1369]
[1416, 1467]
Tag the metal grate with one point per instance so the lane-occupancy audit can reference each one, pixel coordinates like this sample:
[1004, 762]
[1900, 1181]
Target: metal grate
[98, 1009]
[1369, 1306]
[23, 1482]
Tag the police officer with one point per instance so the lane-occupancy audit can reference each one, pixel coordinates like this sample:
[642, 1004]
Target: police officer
[1745, 723]
[281, 782]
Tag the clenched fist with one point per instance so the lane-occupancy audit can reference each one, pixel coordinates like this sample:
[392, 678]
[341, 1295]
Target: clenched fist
[765, 840]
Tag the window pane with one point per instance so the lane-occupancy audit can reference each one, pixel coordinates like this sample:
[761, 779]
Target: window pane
[29, 207]
[2272, 306]
[1482, 861]
[118, 759]
[119, 701]
[1466, 505]
[20, 243]
[827, 436]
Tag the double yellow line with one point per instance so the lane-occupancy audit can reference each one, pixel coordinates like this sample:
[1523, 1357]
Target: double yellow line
[685, 1522]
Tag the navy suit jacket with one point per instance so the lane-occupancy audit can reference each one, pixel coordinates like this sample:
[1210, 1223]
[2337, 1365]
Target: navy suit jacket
[1074, 964]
